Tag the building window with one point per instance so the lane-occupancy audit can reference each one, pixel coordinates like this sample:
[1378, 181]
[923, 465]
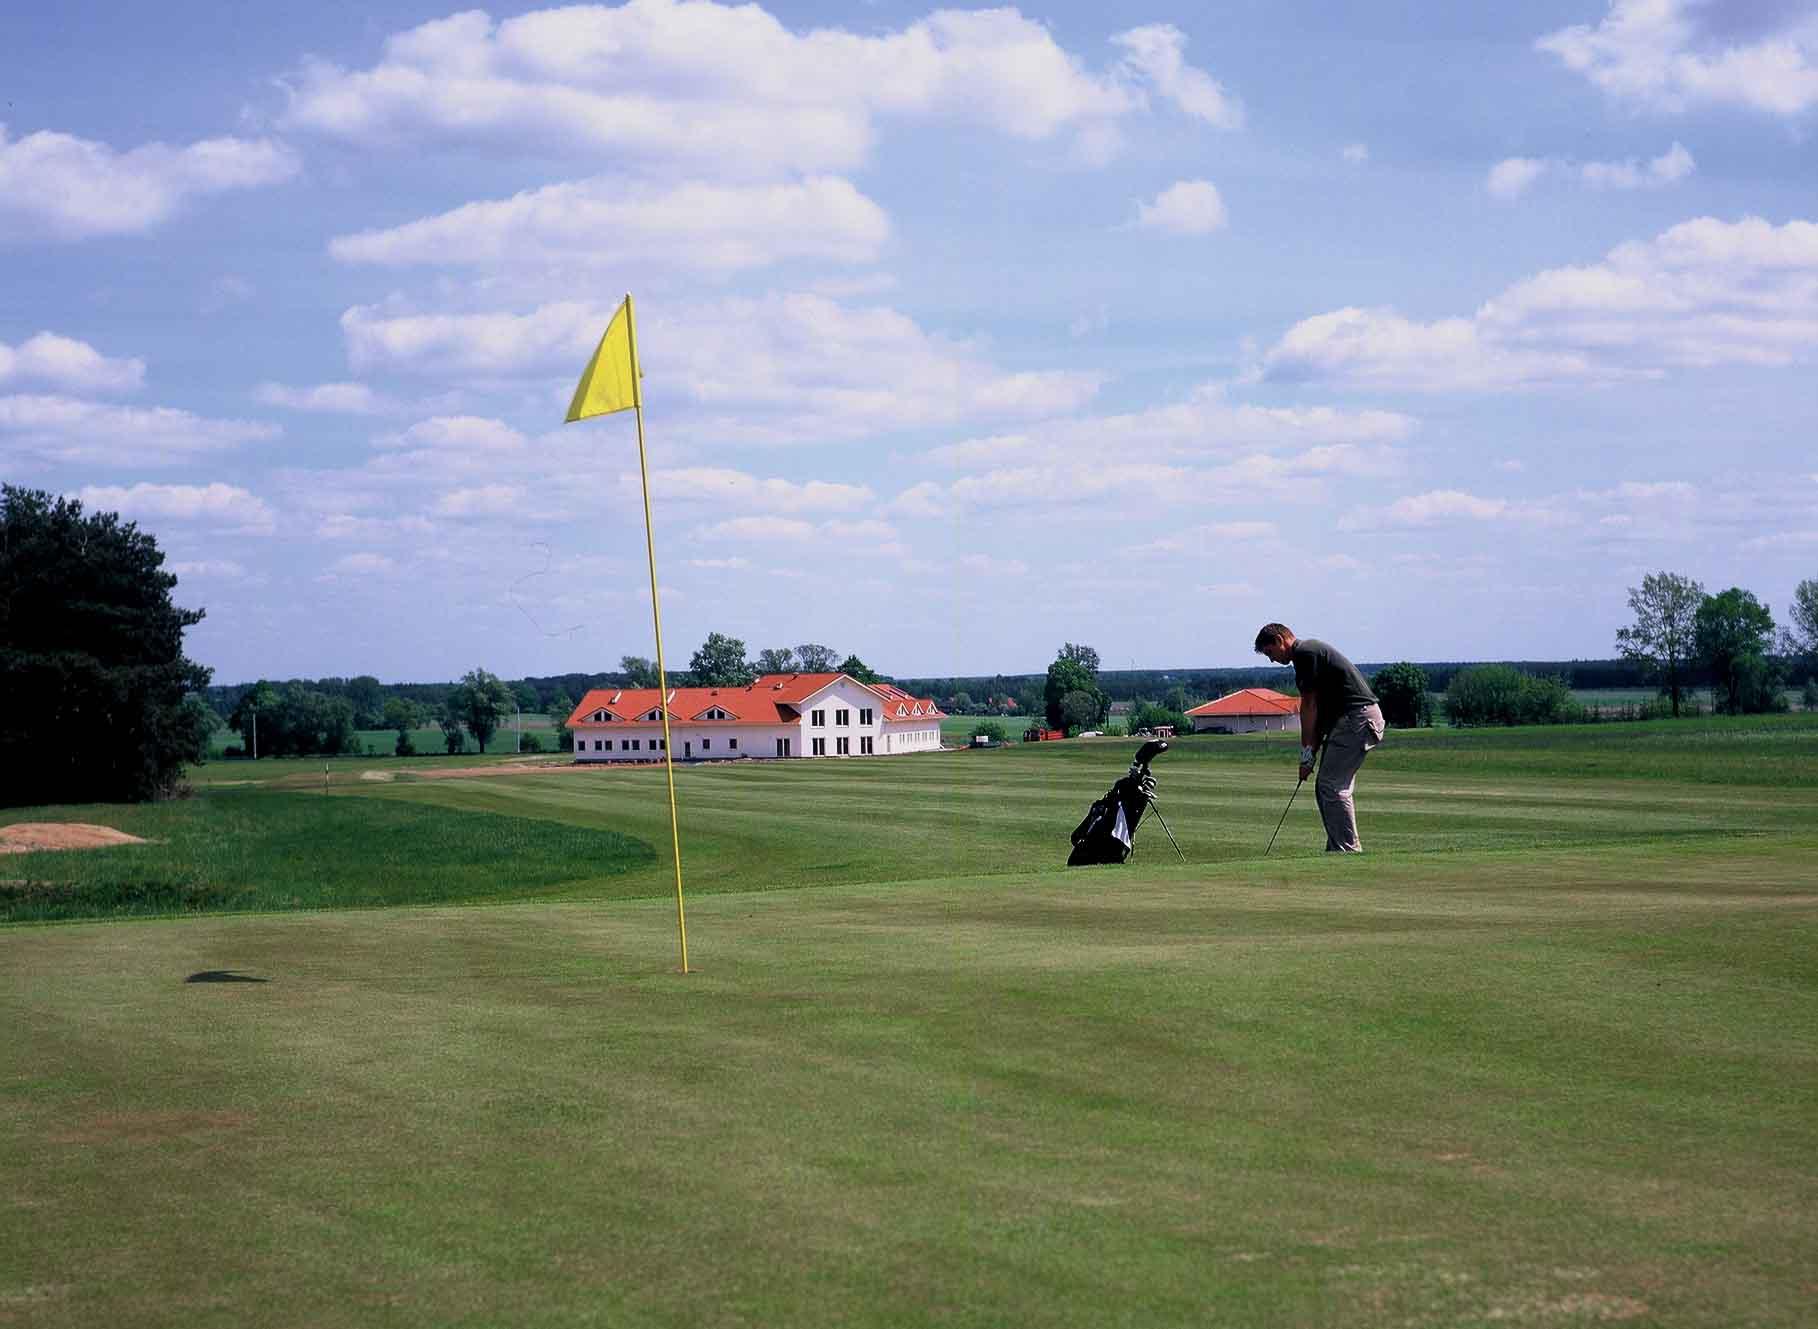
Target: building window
[706, 745]
[608, 745]
[864, 715]
[633, 743]
[820, 747]
[865, 746]
[818, 719]
[842, 716]
[733, 743]
[842, 746]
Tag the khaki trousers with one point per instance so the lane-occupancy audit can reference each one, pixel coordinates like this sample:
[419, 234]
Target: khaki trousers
[1351, 740]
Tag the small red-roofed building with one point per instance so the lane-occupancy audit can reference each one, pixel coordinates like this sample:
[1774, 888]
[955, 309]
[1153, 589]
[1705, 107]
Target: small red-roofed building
[1247, 711]
[779, 715]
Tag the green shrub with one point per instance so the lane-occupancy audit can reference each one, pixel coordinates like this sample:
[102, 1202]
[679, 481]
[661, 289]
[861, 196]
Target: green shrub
[405, 746]
[1501, 695]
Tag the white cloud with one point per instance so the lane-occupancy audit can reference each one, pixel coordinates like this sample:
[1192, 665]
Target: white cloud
[1356, 153]
[359, 565]
[616, 222]
[212, 569]
[987, 565]
[711, 83]
[1705, 292]
[57, 187]
[67, 430]
[732, 564]
[468, 434]
[1672, 166]
[215, 504]
[328, 398]
[925, 499]
[369, 530]
[1511, 178]
[869, 536]
[1155, 55]
[1671, 55]
[66, 363]
[1188, 207]
[482, 501]
[798, 367]
[739, 491]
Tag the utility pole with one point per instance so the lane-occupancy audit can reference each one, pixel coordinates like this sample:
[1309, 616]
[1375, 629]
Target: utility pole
[255, 728]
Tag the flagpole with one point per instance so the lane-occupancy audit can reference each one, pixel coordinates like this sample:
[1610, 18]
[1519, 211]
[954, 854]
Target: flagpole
[656, 614]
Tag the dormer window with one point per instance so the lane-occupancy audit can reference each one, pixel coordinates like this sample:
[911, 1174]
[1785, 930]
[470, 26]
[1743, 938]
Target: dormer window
[601, 717]
[715, 713]
[654, 715]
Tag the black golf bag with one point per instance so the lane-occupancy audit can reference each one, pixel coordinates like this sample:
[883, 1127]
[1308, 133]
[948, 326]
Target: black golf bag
[1108, 833]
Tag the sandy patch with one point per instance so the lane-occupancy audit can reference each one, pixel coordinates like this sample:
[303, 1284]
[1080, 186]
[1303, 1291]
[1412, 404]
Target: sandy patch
[26, 837]
[377, 775]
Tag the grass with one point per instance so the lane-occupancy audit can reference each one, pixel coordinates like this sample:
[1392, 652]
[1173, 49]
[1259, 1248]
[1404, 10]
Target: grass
[280, 850]
[1548, 1055]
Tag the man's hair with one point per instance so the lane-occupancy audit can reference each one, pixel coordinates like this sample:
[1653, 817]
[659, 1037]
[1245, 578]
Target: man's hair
[1272, 634]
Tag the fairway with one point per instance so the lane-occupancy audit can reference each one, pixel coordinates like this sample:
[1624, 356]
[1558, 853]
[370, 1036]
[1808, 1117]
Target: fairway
[1546, 1055]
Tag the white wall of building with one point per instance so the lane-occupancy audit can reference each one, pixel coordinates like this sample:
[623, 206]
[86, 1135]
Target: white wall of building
[851, 723]
[1245, 724]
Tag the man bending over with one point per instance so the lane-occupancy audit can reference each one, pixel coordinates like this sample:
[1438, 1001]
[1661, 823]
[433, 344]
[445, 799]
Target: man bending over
[1338, 713]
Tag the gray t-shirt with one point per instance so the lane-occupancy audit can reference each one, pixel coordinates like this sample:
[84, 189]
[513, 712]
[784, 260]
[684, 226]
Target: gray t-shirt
[1324, 674]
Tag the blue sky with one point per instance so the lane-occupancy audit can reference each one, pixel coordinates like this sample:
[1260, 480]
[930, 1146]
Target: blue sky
[1424, 329]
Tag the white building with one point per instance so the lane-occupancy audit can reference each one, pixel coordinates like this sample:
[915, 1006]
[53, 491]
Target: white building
[780, 715]
[1246, 712]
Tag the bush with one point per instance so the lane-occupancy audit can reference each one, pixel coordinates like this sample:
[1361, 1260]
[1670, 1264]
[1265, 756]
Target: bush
[1809, 698]
[405, 746]
[1500, 695]
[1152, 715]
[990, 729]
[531, 743]
[232, 750]
[1402, 691]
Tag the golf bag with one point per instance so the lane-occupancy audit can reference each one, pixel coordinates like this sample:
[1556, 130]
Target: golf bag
[1108, 833]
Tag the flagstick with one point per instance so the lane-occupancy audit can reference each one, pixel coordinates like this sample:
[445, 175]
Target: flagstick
[656, 613]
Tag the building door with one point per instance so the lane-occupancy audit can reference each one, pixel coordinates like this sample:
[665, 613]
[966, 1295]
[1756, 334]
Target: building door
[687, 748]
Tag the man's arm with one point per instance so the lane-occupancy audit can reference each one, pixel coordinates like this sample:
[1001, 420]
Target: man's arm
[1309, 730]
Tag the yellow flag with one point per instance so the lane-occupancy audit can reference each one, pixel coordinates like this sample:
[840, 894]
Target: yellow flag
[610, 381]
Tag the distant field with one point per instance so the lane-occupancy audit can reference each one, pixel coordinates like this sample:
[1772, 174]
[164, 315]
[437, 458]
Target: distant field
[428, 740]
[1546, 1056]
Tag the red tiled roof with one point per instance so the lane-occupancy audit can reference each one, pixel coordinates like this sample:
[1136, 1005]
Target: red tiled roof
[1250, 701]
[771, 700]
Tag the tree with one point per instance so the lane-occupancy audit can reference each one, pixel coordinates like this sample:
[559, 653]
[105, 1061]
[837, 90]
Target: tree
[1401, 689]
[962, 703]
[813, 659]
[1733, 632]
[260, 697]
[367, 697]
[1152, 715]
[526, 697]
[1078, 710]
[1500, 695]
[853, 667]
[403, 715]
[775, 660]
[453, 739]
[91, 658]
[1177, 700]
[1802, 635]
[639, 672]
[1071, 672]
[480, 699]
[1665, 606]
[720, 663]
[560, 708]
[990, 729]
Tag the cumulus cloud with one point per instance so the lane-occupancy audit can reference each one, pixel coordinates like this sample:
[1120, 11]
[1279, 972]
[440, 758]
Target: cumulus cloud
[837, 535]
[211, 569]
[1356, 153]
[1706, 292]
[737, 490]
[1155, 54]
[704, 227]
[797, 366]
[216, 504]
[325, 398]
[732, 86]
[1511, 178]
[64, 429]
[66, 363]
[58, 187]
[1673, 55]
[1188, 207]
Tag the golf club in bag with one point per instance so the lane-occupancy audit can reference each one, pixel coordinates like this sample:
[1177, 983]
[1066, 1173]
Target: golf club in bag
[1108, 833]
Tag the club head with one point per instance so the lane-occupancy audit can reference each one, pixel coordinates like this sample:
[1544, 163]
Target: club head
[1149, 751]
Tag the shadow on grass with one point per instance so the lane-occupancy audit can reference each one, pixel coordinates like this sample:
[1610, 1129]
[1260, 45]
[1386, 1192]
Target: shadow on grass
[224, 976]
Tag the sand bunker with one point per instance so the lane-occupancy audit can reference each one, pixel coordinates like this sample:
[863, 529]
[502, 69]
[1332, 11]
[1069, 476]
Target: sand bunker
[26, 837]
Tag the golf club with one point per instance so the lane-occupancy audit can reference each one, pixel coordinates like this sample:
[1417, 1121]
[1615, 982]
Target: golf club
[1284, 814]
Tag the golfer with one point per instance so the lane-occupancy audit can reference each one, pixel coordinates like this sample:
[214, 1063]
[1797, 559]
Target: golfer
[1338, 713]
